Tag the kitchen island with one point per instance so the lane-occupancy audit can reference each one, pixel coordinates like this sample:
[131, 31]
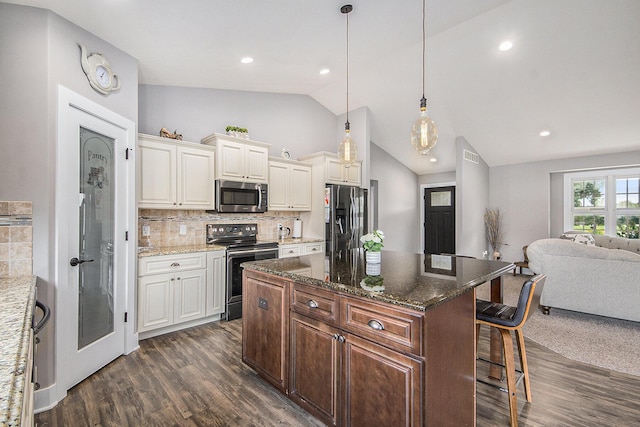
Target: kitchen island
[368, 344]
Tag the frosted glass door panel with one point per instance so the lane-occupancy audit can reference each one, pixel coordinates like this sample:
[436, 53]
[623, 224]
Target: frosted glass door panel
[95, 291]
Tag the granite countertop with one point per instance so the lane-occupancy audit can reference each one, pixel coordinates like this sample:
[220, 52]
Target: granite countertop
[176, 250]
[410, 280]
[16, 310]
[298, 241]
[185, 249]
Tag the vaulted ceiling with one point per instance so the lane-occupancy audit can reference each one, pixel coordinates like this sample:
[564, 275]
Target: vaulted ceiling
[574, 68]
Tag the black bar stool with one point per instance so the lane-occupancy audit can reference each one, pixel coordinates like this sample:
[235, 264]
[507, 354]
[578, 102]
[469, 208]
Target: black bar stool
[506, 319]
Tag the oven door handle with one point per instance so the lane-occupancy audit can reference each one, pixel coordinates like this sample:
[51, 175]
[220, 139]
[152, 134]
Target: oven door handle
[253, 251]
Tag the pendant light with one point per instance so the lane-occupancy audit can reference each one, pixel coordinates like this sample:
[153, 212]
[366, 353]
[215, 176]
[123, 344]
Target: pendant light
[424, 133]
[347, 150]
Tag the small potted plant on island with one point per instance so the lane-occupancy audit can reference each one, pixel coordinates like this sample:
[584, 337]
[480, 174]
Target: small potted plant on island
[372, 244]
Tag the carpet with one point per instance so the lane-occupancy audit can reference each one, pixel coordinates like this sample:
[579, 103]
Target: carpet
[600, 341]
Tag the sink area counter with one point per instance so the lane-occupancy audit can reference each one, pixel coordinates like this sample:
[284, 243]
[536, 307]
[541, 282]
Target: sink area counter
[410, 280]
[16, 310]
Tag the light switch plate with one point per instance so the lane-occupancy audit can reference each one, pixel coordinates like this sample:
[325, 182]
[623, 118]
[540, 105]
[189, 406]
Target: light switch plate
[183, 229]
[146, 231]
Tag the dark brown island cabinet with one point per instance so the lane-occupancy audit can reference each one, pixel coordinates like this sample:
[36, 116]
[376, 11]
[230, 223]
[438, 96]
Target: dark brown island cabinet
[351, 360]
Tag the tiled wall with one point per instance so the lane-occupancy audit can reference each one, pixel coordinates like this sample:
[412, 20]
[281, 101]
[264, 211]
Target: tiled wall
[165, 225]
[16, 239]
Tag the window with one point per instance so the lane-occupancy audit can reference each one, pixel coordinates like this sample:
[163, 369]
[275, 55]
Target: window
[604, 202]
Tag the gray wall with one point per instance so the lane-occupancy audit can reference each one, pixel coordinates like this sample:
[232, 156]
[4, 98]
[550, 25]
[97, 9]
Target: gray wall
[38, 51]
[295, 122]
[398, 201]
[472, 198]
[531, 196]
[437, 178]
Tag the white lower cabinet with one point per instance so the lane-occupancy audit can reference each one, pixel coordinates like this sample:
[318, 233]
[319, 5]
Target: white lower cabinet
[216, 277]
[175, 289]
[297, 249]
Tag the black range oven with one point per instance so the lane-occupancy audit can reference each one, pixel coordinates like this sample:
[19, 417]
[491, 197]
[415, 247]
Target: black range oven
[241, 245]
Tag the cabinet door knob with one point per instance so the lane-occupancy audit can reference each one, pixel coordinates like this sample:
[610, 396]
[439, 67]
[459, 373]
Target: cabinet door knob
[312, 304]
[341, 338]
[336, 336]
[374, 324]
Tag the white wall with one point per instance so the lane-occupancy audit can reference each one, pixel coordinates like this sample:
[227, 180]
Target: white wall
[398, 202]
[472, 198]
[39, 51]
[296, 122]
[532, 200]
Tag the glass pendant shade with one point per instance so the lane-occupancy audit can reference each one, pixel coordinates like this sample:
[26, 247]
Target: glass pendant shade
[347, 150]
[424, 133]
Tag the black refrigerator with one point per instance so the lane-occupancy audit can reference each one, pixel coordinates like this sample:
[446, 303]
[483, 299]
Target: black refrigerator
[345, 217]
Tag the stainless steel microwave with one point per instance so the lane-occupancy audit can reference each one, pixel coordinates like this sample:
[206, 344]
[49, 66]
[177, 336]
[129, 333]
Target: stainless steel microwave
[247, 197]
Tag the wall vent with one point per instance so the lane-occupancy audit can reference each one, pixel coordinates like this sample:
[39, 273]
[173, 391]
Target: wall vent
[471, 156]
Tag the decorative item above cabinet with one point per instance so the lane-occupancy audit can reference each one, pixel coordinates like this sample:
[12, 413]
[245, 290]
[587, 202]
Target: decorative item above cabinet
[174, 174]
[239, 159]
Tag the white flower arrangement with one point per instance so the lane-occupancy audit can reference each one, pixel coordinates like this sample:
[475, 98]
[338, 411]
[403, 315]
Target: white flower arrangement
[372, 242]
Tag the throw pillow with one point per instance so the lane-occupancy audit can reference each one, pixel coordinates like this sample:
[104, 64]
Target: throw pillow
[585, 239]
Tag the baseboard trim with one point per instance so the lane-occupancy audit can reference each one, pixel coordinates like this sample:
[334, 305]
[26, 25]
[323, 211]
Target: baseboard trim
[46, 399]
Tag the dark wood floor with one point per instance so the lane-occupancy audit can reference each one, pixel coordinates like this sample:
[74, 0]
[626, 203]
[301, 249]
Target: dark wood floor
[195, 377]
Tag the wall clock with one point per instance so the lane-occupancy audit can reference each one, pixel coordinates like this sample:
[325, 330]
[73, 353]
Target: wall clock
[99, 73]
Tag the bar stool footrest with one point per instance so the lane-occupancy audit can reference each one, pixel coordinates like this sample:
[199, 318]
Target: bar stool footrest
[503, 389]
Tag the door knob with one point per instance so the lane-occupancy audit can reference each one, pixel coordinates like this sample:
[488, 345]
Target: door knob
[75, 261]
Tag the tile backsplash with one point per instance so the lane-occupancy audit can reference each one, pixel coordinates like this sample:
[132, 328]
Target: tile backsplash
[164, 225]
[16, 238]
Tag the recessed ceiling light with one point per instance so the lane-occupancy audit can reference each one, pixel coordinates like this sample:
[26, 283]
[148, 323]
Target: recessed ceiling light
[505, 45]
[545, 133]
[324, 71]
[433, 160]
[246, 60]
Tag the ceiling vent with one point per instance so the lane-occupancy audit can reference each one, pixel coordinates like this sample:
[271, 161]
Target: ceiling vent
[471, 156]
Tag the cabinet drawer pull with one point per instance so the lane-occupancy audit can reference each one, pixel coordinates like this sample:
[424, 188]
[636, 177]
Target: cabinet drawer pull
[312, 304]
[175, 264]
[374, 324]
[291, 251]
[314, 249]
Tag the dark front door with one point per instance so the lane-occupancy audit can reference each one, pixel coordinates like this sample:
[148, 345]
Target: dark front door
[440, 220]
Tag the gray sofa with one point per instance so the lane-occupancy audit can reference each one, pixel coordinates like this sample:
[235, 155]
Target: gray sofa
[603, 279]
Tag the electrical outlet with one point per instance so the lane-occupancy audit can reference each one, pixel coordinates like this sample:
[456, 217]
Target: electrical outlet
[279, 226]
[183, 229]
[146, 231]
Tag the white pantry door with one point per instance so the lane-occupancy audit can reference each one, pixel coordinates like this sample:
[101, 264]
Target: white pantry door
[92, 206]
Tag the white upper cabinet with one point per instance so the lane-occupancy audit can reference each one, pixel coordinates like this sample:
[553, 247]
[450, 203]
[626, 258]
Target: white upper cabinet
[333, 171]
[240, 159]
[337, 173]
[174, 174]
[289, 186]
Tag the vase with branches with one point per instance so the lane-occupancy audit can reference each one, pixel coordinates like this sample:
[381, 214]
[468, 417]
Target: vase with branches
[493, 221]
